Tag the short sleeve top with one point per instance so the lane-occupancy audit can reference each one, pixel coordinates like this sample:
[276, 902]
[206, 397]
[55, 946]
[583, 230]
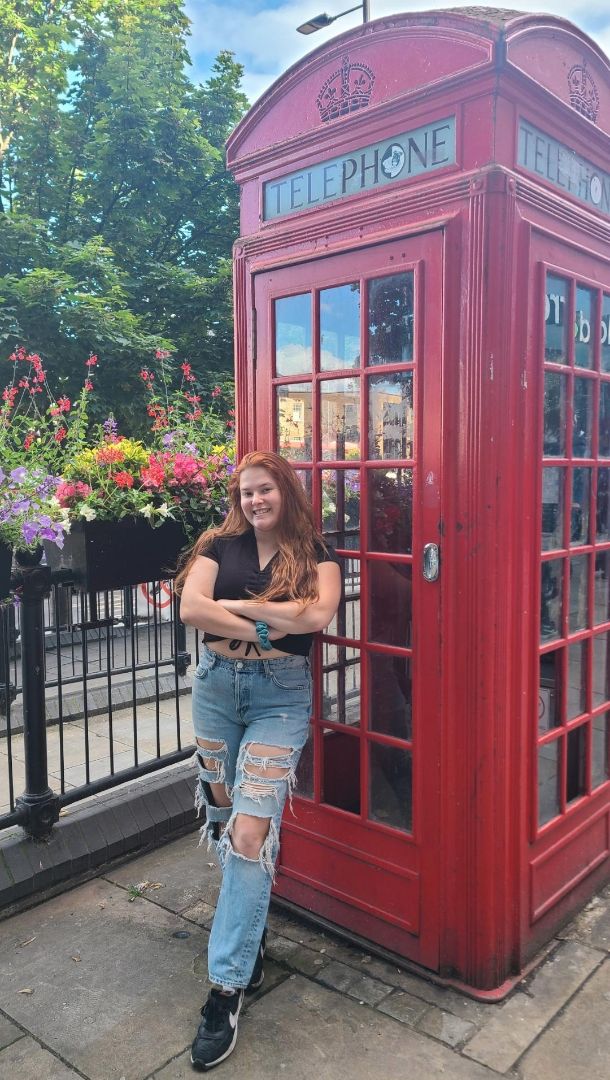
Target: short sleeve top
[240, 578]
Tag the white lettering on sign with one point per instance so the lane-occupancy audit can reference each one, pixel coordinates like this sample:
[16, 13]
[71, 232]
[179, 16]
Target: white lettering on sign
[554, 307]
[563, 168]
[399, 158]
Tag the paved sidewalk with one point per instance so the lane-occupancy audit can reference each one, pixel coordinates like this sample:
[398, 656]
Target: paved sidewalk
[105, 982]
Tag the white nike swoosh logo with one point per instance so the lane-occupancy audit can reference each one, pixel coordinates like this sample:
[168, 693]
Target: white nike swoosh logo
[233, 1019]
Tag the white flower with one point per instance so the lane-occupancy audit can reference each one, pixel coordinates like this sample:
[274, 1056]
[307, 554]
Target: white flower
[147, 511]
[163, 510]
[88, 513]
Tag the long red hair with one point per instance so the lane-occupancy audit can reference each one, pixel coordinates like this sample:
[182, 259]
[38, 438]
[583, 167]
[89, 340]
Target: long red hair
[294, 574]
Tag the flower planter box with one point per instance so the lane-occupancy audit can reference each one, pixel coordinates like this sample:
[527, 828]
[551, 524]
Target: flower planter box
[105, 555]
[6, 560]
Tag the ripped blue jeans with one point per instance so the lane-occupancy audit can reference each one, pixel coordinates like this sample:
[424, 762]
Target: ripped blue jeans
[238, 705]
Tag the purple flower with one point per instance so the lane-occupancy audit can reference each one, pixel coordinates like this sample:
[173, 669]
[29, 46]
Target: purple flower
[169, 438]
[19, 474]
[110, 427]
[29, 531]
[21, 506]
[2, 476]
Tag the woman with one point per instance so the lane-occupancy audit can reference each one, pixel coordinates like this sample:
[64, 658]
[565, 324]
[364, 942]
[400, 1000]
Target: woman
[259, 586]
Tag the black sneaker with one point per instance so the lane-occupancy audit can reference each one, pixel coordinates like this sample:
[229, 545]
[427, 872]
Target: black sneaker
[258, 974]
[217, 1032]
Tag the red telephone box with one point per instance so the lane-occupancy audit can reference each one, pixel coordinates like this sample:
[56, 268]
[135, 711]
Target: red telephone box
[422, 295]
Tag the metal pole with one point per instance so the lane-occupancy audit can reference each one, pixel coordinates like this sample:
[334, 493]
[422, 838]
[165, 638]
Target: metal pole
[366, 15]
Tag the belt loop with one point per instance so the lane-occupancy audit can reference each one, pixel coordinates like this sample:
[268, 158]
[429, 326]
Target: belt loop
[265, 664]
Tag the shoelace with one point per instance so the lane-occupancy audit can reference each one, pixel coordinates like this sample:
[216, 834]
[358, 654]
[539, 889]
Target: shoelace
[215, 1010]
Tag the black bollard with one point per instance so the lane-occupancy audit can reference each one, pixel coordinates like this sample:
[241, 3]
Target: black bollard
[38, 806]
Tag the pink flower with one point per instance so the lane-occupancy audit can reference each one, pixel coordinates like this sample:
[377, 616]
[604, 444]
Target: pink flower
[185, 468]
[123, 480]
[153, 475]
[91, 362]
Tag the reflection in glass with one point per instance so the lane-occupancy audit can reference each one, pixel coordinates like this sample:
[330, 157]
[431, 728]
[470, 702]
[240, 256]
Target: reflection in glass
[390, 510]
[579, 593]
[550, 599]
[602, 586]
[576, 783]
[341, 507]
[582, 428]
[552, 508]
[305, 773]
[549, 693]
[294, 424]
[391, 319]
[390, 603]
[584, 328]
[601, 669]
[605, 334]
[391, 415]
[346, 622]
[293, 351]
[556, 318]
[554, 415]
[391, 786]
[341, 770]
[341, 688]
[581, 488]
[602, 515]
[340, 419]
[604, 419]
[600, 749]
[548, 782]
[390, 695]
[306, 478]
[577, 679]
[340, 327]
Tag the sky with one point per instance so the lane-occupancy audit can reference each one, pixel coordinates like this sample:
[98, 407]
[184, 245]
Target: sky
[262, 33]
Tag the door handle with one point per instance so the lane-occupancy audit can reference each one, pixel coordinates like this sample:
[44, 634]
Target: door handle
[431, 562]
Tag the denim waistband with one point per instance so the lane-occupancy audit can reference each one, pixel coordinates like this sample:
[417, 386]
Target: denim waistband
[258, 667]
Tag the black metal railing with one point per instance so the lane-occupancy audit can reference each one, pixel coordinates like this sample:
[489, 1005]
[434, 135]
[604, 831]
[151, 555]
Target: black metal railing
[93, 692]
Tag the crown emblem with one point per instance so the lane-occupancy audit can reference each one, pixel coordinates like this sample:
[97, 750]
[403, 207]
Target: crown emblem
[346, 90]
[583, 92]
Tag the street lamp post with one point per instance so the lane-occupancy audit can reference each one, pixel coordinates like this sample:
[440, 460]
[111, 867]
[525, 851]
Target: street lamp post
[320, 21]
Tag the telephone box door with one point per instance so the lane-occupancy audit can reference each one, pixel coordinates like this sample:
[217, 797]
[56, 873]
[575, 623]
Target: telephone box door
[348, 389]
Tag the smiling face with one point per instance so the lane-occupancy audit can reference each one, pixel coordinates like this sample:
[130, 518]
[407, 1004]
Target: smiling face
[261, 499]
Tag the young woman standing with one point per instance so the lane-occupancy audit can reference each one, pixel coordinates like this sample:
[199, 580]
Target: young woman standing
[259, 586]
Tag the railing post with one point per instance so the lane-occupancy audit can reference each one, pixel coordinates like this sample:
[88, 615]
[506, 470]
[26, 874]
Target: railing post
[8, 691]
[39, 806]
[183, 656]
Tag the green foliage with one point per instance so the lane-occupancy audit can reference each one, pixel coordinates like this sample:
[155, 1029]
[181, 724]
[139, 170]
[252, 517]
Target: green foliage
[117, 214]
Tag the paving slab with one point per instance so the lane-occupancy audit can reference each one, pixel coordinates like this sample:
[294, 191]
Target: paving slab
[577, 1045]
[9, 1032]
[451, 1030]
[188, 873]
[27, 1060]
[515, 1025]
[114, 993]
[404, 1007]
[592, 925]
[302, 1030]
[341, 977]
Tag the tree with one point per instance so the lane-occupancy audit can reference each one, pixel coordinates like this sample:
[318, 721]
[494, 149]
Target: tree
[117, 213]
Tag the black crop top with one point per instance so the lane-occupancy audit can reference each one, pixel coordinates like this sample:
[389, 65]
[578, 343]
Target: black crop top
[239, 578]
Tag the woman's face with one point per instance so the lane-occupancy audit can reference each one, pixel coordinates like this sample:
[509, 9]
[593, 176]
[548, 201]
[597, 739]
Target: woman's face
[261, 499]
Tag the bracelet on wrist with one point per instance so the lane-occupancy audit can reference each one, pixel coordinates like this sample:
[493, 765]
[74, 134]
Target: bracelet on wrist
[262, 633]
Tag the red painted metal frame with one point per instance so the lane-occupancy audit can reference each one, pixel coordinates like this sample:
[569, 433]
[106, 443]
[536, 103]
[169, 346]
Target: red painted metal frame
[497, 886]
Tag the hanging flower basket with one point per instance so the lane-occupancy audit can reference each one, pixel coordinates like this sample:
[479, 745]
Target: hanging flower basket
[104, 555]
[6, 560]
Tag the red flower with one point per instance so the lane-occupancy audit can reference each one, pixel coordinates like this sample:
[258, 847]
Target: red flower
[153, 475]
[187, 372]
[87, 385]
[109, 455]
[9, 394]
[27, 442]
[162, 354]
[123, 480]
[195, 415]
[91, 362]
[146, 376]
[193, 398]
[216, 391]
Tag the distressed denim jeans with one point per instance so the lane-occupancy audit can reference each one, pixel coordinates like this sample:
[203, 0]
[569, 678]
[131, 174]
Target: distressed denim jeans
[238, 704]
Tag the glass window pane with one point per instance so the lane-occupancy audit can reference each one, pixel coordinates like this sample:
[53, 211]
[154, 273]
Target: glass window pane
[341, 507]
[600, 749]
[548, 782]
[391, 319]
[576, 782]
[341, 688]
[390, 603]
[579, 593]
[581, 488]
[604, 419]
[602, 586]
[390, 695]
[390, 510]
[577, 679]
[550, 599]
[293, 353]
[305, 768]
[554, 415]
[340, 327]
[549, 694]
[346, 622]
[391, 786]
[391, 415]
[582, 440]
[294, 424]
[605, 333]
[602, 514]
[556, 320]
[583, 337]
[341, 770]
[552, 508]
[601, 669]
[340, 419]
[306, 478]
